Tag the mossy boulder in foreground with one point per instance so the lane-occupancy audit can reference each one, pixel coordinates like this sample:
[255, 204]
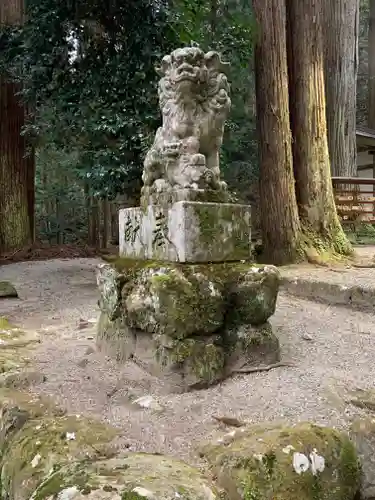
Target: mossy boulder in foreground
[362, 432]
[301, 462]
[134, 476]
[47, 454]
[16, 345]
[191, 325]
[47, 443]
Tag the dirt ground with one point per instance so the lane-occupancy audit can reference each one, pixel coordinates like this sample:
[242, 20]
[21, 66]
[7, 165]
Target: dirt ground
[333, 350]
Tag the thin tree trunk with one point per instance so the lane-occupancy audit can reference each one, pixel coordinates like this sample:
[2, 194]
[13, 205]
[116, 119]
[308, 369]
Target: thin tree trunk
[341, 19]
[278, 207]
[14, 201]
[312, 170]
[371, 66]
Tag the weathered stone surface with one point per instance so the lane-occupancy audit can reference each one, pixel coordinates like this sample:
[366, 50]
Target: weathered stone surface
[288, 463]
[115, 338]
[194, 101]
[362, 433]
[46, 443]
[186, 232]
[7, 290]
[15, 349]
[110, 282]
[253, 297]
[17, 408]
[167, 300]
[46, 454]
[191, 325]
[131, 477]
[249, 345]
[183, 364]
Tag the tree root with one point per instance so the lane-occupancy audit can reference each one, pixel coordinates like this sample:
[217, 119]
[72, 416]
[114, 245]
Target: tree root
[265, 368]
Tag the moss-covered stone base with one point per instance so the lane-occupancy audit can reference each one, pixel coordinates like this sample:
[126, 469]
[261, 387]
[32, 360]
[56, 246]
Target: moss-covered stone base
[271, 462]
[191, 325]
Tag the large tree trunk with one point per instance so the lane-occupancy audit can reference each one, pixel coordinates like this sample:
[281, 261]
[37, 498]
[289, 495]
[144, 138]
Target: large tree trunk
[278, 207]
[14, 196]
[312, 170]
[371, 66]
[341, 67]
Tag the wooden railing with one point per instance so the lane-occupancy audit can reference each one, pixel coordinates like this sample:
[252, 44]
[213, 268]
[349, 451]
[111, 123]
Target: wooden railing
[355, 199]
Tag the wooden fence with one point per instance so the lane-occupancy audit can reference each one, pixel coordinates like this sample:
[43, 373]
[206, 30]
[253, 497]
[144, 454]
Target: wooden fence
[355, 199]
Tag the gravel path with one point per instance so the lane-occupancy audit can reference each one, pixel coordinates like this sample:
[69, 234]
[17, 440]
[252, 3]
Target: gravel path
[333, 349]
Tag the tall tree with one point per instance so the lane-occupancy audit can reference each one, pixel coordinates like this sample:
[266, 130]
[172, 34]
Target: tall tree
[278, 206]
[312, 171]
[14, 198]
[341, 19]
[371, 66]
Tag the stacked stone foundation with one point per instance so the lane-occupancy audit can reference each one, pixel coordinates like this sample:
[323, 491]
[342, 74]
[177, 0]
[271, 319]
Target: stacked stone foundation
[191, 325]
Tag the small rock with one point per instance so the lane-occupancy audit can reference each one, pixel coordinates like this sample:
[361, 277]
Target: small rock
[90, 337]
[82, 363]
[306, 336]
[83, 324]
[7, 290]
[148, 402]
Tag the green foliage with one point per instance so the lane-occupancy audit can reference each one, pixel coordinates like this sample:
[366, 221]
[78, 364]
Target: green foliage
[228, 27]
[87, 68]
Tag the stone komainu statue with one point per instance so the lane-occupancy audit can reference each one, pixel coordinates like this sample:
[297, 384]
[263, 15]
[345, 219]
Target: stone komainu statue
[194, 101]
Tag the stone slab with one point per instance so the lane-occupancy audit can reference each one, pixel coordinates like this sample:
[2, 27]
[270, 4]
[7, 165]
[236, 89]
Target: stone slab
[186, 232]
[354, 296]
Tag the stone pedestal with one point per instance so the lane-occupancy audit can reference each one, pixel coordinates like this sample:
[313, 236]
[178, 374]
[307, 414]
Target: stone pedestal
[189, 325]
[186, 231]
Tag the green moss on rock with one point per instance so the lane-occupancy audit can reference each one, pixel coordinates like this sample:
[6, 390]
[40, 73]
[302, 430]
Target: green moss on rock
[201, 360]
[166, 301]
[133, 476]
[190, 294]
[362, 433]
[48, 443]
[249, 345]
[115, 338]
[252, 299]
[7, 290]
[17, 408]
[285, 463]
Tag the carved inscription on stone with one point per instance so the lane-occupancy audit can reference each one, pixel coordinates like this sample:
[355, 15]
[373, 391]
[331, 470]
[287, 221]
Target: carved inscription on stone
[132, 227]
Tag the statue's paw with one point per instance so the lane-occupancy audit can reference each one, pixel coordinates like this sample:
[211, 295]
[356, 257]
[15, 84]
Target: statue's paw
[198, 160]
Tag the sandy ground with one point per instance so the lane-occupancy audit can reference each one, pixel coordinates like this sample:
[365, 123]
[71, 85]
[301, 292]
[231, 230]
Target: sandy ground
[333, 349]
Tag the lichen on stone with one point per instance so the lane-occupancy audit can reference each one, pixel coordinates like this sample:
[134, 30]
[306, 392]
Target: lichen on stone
[304, 461]
[164, 300]
[191, 304]
[50, 439]
[133, 476]
[201, 361]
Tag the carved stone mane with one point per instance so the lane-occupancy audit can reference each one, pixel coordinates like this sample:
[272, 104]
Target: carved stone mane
[194, 101]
